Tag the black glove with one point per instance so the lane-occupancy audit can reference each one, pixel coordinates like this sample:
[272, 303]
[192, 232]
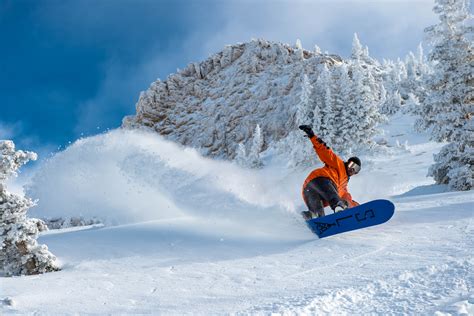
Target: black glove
[307, 129]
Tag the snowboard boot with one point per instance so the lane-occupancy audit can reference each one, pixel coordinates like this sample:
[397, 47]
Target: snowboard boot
[341, 206]
[308, 215]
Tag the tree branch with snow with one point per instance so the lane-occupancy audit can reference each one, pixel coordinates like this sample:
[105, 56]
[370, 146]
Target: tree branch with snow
[21, 254]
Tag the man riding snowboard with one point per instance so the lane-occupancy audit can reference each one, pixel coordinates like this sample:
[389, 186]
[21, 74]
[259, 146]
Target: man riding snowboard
[328, 185]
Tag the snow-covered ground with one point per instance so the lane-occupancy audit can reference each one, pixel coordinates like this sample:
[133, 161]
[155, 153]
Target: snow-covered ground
[189, 235]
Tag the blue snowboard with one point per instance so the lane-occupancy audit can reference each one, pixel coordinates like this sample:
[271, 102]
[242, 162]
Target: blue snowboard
[365, 215]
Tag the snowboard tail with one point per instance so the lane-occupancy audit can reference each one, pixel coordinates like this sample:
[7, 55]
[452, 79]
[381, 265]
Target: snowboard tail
[365, 215]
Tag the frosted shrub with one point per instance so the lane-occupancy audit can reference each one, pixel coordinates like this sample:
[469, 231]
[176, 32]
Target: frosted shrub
[21, 254]
[454, 164]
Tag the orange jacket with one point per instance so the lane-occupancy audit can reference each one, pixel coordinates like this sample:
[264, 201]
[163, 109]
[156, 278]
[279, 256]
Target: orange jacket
[333, 169]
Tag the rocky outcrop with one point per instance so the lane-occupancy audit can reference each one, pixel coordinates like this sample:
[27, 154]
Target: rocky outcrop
[216, 104]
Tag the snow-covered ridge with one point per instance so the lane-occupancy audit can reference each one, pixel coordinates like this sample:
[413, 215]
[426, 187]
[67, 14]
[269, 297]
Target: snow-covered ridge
[216, 104]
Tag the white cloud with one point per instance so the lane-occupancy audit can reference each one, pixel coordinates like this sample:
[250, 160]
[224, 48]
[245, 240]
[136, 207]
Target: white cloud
[390, 28]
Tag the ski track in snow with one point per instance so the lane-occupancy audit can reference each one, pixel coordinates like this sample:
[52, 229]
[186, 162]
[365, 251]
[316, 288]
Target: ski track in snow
[213, 249]
[436, 282]
[421, 291]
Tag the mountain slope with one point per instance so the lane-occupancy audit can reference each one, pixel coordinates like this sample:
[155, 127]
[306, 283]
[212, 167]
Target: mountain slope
[228, 247]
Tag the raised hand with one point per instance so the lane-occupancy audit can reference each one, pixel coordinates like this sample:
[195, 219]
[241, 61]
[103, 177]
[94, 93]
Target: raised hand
[307, 129]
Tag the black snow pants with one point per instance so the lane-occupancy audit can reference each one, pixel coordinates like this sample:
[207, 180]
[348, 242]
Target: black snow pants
[319, 190]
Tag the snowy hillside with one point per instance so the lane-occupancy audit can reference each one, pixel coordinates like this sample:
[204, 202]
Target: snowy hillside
[185, 234]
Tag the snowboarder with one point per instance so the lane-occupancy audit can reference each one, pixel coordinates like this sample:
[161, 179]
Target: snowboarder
[328, 185]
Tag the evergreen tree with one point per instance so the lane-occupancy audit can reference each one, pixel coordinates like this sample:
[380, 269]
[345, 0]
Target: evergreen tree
[357, 50]
[412, 105]
[424, 70]
[411, 65]
[298, 44]
[420, 55]
[343, 124]
[416, 72]
[317, 50]
[304, 110]
[241, 156]
[454, 164]
[383, 97]
[330, 111]
[402, 74]
[327, 112]
[391, 104]
[402, 79]
[254, 159]
[364, 110]
[449, 105]
[322, 102]
[20, 252]
[361, 54]
[390, 80]
[297, 146]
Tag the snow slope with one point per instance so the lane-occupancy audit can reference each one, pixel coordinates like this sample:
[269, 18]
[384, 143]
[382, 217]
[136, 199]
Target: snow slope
[186, 234]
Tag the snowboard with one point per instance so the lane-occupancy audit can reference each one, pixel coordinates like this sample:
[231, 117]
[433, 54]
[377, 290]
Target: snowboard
[365, 215]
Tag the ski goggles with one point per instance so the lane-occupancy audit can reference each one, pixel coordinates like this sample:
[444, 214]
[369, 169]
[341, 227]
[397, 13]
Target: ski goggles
[355, 167]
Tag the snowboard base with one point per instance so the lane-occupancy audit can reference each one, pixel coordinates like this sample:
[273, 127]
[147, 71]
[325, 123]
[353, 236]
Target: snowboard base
[365, 215]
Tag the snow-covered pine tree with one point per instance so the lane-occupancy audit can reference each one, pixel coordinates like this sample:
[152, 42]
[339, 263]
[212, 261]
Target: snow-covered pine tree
[383, 96]
[365, 53]
[330, 113]
[299, 49]
[416, 71]
[392, 103]
[20, 254]
[361, 53]
[424, 70]
[241, 156]
[412, 105]
[421, 56]
[412, 67]
[454, 164]
[364, 110]
[323, 102]
[298, 44]
[327, 113]
[449, 105]
[397, 86]
[357, 50]
[304, 111]
[254, 157]
[297, 146]
[343, 124]
[390, 82]
[317, 50]
[403, 88]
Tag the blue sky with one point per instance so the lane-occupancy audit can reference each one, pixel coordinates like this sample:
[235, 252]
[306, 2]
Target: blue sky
[75, 68]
